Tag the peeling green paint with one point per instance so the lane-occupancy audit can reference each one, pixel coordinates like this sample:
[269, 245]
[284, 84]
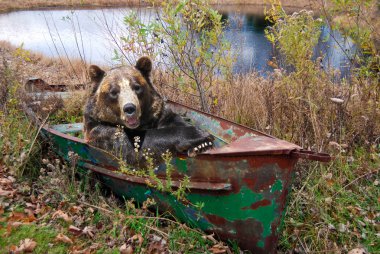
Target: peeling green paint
[277, 186]
[234, 207]
[181, 165]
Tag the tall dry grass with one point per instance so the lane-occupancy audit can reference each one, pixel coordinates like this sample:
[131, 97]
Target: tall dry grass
[252, 5]
[8, 5]
[315, 115]
[310, 114]
[55, 71]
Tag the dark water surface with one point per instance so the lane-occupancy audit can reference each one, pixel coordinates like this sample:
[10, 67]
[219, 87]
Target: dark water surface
[86, 34]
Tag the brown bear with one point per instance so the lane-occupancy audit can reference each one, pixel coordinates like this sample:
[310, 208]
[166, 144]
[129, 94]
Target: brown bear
[125, 115]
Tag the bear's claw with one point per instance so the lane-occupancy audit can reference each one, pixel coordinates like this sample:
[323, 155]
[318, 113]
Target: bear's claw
[192, 152]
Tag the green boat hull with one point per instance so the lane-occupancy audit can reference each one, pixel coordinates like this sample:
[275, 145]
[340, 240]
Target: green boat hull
[242, 184]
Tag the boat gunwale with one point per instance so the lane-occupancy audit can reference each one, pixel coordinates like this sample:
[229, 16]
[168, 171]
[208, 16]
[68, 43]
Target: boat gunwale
[175, 183]
[223, 119]
[214, 153]
[49, 129]
[207, 154]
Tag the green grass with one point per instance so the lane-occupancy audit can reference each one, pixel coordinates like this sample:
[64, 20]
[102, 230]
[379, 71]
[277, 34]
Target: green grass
[42, 235]
[335, 207]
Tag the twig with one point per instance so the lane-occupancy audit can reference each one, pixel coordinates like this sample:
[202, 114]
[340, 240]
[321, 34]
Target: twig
[43, 216]
[97, 207]
[302, 188]
[354, 181]
[158, 231]
[160, 218]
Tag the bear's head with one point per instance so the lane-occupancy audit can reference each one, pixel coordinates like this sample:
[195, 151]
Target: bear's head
[125, 96]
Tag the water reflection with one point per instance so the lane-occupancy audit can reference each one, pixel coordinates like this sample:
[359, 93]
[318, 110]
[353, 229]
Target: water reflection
[85, 33]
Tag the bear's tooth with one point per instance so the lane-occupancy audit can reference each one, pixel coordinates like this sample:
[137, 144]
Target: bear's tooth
[203, 145]
[199, 146]
[195, 149]
[210, 143]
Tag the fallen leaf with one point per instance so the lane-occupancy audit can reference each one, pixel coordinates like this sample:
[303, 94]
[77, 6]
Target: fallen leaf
[15, 224]
[126, 249]
[12, 179]
[64, 239]
[337, 100]
[18, 216]
[89, 231]
[218, 249]
[5, 181]
[357, 251]
[13, 248]
[342, 228]
[30, 205]
[74, 230]
[211, 238]
[62, 215]
[27, 245]
[84, 251]
[75, 209]
[137, 238]
[156, 248]
[95, 246]
[6, 193]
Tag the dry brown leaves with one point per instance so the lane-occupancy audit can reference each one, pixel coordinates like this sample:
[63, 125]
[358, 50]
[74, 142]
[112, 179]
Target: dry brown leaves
[6, 186]
[63, 238]
[357, 251]
[218, 247]
[27, 245]
[126, 249]
[59, 214]
[74, 230]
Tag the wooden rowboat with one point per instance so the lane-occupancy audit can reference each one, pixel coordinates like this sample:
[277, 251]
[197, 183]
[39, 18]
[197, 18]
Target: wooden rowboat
[243, 183]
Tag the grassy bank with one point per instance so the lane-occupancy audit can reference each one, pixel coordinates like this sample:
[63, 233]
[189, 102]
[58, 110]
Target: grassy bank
[8, 5]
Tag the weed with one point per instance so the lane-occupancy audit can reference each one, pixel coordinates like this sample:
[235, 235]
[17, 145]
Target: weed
[340, 198]
[17, 135]
[188, 38]
[72, 109]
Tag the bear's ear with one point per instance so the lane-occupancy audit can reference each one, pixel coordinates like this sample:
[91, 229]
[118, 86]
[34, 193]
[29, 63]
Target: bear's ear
[96, 74]
[144, 65]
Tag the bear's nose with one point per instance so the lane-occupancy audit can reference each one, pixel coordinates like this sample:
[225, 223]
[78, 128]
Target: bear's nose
[129, 108]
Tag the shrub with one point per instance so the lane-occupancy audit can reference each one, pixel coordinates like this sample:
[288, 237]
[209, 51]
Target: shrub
[187, 39]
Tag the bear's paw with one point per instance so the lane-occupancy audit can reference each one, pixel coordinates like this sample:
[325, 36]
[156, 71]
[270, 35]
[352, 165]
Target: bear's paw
[192, 152]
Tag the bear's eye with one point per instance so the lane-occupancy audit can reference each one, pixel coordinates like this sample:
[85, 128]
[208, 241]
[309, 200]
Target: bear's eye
[114, 93]
[138, 89]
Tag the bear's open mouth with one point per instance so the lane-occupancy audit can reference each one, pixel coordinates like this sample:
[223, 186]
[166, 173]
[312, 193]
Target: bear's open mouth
[132, 122]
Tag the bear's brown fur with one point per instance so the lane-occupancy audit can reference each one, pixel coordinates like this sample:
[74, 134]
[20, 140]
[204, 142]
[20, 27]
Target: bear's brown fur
[125, 112]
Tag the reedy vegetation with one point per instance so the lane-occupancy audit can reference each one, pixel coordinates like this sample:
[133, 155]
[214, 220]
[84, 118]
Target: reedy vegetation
[186, 41]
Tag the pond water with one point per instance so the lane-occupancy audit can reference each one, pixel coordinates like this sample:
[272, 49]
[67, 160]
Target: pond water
[85, 33]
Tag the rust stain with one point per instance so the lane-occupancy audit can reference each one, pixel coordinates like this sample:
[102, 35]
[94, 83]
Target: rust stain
[216, 219]
[257, 204]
